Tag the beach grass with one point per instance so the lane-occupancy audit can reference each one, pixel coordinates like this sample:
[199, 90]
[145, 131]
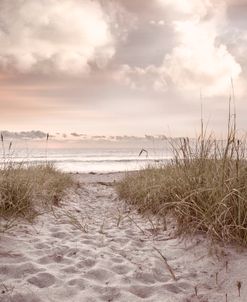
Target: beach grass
[204, 186]
[27, 190]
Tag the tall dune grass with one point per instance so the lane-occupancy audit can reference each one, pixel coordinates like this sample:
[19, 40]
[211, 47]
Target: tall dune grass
[26, 190]
[204, 187]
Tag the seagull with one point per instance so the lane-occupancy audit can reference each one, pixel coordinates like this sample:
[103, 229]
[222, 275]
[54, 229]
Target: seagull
[143, 150]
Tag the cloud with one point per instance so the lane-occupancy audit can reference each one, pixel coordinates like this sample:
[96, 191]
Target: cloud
[199, 60]
[77, 134]
[54, 36]
[34, 134]
[140, 78]
[154, 57]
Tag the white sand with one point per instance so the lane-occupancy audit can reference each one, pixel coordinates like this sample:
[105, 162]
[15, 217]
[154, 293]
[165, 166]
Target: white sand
[115, 260]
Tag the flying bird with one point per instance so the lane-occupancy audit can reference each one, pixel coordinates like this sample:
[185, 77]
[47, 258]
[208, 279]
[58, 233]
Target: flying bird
[143, 151]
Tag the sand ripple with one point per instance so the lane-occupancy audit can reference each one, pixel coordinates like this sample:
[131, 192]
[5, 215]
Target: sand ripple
[115, 260]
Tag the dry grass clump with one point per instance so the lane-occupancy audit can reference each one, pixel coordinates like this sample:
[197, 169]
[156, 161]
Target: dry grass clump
[50, 183]
[204, 187]
[16, 191]
[26, 189]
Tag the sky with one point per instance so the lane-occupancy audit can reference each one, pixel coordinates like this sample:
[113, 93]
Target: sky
[122, 67]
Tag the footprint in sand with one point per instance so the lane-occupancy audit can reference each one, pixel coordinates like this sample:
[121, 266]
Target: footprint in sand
[80, 283]
[19, 271]
[89, 242]
[146, 278]
[70, 270]
[42, 280]
[185, 285]
[73, 252]
[117, 260]
[160, 275]
[121, 269]
[107, 293]
[172, 288]
[41, 246]
[18, 297]
[141, 291]
[98, 274]
[88, 263]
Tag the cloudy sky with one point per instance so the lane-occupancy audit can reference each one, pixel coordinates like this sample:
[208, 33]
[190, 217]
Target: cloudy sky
[121, 67]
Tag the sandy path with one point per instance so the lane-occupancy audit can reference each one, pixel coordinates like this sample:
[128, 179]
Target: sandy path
[114, 260]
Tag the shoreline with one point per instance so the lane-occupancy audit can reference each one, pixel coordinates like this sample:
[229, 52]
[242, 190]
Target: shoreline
[101, 177]
[94, 247]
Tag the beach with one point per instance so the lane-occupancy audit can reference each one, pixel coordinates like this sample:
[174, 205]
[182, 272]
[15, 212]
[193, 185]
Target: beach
[123, 151]
[95, 247]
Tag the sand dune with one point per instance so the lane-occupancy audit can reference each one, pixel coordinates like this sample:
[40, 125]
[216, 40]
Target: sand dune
[96, 249]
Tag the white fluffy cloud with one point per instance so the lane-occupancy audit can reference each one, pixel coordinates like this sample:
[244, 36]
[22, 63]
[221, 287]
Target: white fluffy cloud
[54, 35]
[198, 60]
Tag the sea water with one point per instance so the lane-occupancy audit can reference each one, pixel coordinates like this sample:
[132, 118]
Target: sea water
[98, 160]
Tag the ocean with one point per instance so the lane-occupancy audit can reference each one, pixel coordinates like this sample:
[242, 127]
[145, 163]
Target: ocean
[98, 160]
[89, 155]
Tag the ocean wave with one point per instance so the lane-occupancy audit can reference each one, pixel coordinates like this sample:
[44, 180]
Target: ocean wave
[99, 160]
